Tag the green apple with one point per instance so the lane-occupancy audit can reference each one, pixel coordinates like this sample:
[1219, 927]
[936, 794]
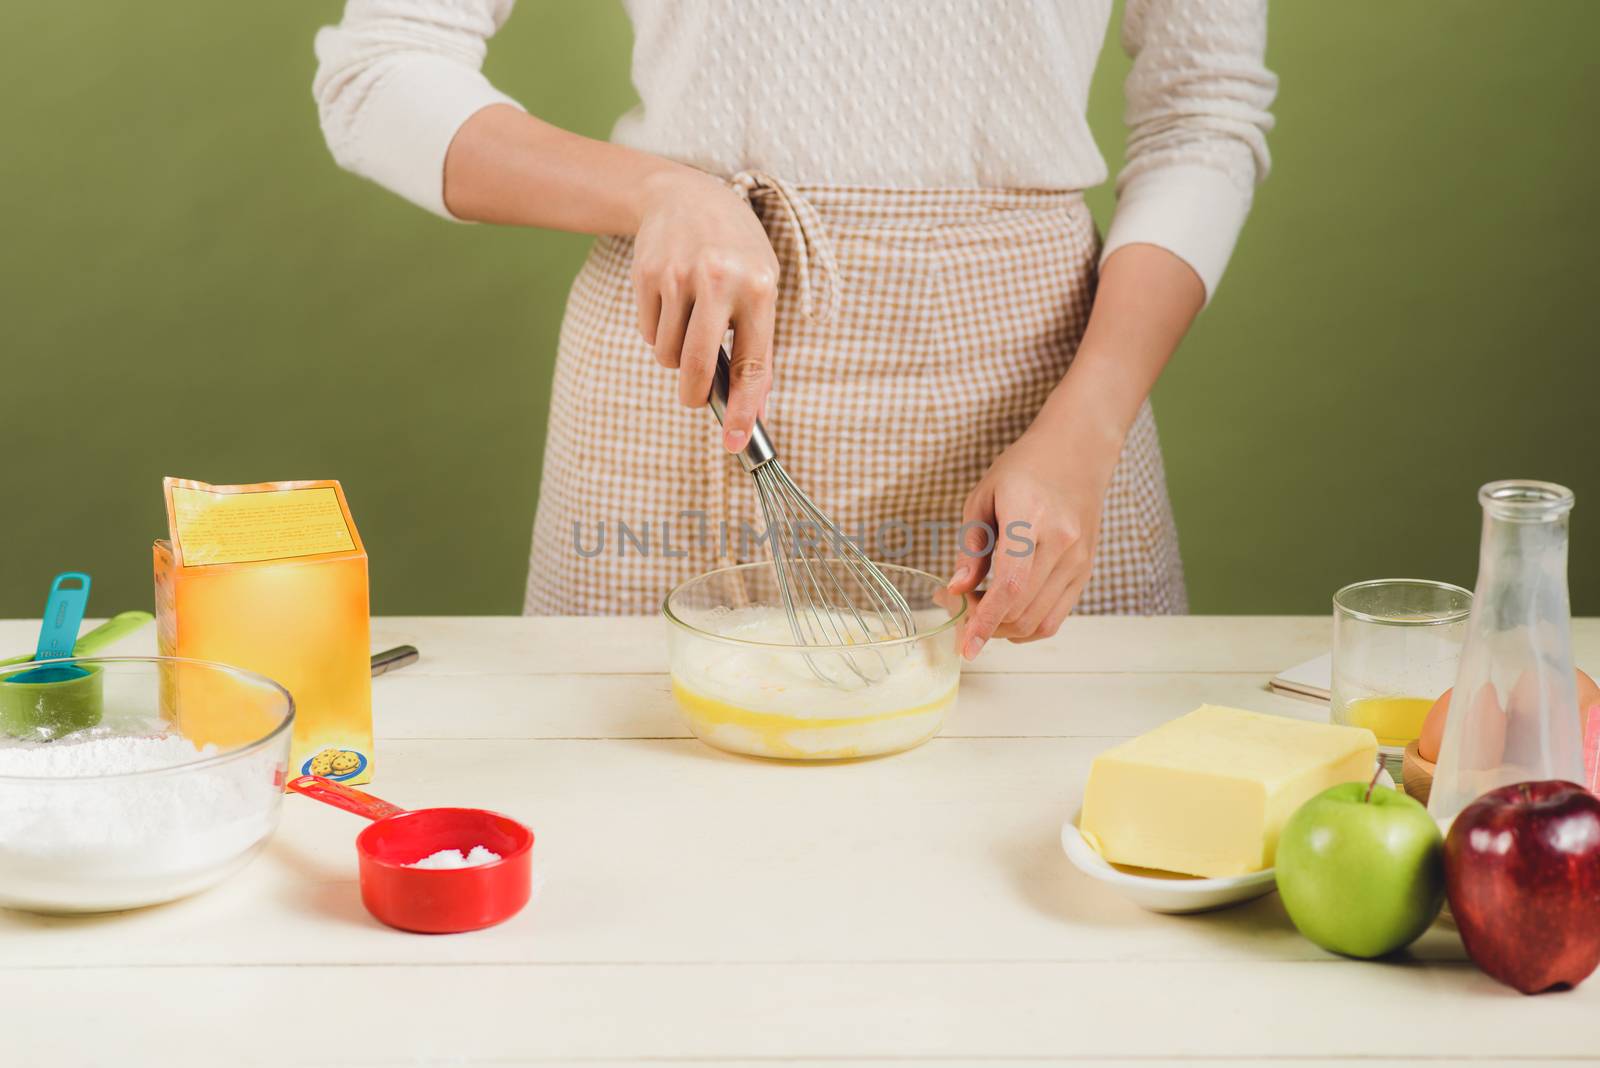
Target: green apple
[1361, 869]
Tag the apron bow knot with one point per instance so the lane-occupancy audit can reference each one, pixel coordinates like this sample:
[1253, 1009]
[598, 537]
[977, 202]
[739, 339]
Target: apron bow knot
[815, 266]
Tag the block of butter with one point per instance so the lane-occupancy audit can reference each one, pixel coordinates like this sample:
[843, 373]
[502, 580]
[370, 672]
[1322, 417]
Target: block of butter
[1208, 793]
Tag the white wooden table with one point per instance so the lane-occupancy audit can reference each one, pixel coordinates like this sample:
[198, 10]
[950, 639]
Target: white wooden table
[703, 908]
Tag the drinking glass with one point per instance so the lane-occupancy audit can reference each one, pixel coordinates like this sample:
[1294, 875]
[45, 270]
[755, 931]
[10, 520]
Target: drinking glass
[1396, 645]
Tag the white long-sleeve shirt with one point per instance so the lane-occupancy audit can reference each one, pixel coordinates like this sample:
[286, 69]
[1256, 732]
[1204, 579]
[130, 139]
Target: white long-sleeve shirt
[859, 92]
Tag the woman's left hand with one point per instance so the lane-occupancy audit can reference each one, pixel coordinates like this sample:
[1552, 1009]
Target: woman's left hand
[1050, 485]
[1041, 502]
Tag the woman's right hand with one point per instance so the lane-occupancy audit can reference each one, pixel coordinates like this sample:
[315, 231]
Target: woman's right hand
[702, 264]
[701, 261]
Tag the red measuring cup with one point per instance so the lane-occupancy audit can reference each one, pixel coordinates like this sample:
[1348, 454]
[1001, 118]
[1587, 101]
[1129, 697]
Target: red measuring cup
[432, 900]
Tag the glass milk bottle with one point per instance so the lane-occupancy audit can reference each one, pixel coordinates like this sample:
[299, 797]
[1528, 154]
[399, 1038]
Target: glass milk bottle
[1514, 710]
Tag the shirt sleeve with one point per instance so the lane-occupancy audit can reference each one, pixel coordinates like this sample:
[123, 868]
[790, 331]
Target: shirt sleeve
[1197, 100]
[396, 79]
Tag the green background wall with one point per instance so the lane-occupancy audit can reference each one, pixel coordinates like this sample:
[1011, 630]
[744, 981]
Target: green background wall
[189, 286]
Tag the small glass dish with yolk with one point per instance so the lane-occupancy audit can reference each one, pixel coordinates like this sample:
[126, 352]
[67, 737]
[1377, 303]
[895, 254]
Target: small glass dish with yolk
[745, 685]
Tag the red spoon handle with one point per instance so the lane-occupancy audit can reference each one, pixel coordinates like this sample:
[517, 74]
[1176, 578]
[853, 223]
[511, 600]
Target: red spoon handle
[331, 793]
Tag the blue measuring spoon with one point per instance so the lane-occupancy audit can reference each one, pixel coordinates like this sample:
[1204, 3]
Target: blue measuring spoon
[63, 615]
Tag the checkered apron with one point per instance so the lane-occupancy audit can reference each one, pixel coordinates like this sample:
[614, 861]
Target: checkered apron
[919, 331]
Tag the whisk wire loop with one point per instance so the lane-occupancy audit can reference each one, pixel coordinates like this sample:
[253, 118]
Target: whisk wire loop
[828, 612]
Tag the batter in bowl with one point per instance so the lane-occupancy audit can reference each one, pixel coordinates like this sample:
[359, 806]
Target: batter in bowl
[758, 695]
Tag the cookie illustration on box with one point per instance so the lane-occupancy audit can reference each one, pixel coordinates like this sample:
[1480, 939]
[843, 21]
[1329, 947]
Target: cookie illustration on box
[336, 764]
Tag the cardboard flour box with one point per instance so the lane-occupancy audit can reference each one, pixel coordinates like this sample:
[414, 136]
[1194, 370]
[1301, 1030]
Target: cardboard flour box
[272, 577]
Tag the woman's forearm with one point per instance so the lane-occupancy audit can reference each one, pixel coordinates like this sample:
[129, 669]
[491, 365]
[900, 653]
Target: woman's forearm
[701, 260]
[1146, 299]
[506, 166]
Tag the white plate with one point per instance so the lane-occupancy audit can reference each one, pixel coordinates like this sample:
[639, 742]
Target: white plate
[1170, 893]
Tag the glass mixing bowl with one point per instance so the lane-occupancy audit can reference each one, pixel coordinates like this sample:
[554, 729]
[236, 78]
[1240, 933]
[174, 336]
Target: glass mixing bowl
[159, 778]
[744, 685]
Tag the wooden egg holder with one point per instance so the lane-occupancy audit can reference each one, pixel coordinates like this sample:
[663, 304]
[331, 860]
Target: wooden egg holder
[1416, 774]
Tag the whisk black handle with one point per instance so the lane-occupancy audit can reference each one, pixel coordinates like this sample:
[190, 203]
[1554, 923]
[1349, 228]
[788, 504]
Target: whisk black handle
[759, 450]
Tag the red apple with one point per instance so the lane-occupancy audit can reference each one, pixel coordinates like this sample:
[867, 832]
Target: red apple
[1522, 871]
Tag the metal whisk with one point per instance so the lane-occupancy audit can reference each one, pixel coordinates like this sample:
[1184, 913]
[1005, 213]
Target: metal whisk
[833, 595]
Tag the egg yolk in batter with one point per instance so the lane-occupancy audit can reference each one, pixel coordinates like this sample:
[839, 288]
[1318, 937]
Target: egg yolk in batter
[775, 734]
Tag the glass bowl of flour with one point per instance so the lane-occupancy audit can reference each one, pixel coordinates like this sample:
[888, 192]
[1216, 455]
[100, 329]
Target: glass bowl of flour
[176, 788]
[744, 685]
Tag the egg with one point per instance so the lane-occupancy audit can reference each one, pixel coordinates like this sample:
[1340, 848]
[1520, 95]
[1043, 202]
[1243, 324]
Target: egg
[1432, 735]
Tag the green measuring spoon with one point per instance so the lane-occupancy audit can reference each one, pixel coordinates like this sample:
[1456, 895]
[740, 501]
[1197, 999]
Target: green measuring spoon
[117, 627]
[42, 710]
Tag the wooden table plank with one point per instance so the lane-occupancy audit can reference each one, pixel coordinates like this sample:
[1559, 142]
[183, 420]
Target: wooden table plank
[613, 646]
[641, 706]
[532, 645]
[1260, 645]
[988, 1013]
[1103, 644]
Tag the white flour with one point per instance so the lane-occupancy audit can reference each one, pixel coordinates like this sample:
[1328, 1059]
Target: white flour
[80, 755]
[454, 858]
[73, 843]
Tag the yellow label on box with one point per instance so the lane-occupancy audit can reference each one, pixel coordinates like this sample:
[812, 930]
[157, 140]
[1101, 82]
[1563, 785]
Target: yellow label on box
[235, 528]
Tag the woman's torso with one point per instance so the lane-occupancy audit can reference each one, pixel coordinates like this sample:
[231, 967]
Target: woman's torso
[901, 93]
[919, 332]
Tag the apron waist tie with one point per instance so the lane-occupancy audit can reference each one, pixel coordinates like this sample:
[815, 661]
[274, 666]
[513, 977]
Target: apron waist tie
[815, 266]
